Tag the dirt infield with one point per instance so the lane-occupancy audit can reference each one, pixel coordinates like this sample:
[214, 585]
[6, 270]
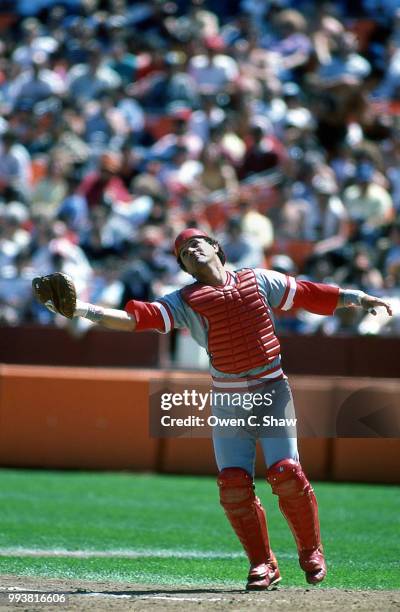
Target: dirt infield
[102, 596]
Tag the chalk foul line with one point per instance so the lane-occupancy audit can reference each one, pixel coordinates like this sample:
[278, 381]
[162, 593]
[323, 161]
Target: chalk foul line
[21, 551]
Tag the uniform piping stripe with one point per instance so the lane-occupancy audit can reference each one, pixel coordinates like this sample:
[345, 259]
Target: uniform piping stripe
[166, 315]
[287, 301]
[285, 293]
[252, 376]
[246, 383]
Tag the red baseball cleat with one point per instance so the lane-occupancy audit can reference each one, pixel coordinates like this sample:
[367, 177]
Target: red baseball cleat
[263, 576]
[312, 562]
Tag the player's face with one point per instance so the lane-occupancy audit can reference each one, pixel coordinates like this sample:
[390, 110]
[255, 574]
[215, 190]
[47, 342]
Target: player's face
[197, 253]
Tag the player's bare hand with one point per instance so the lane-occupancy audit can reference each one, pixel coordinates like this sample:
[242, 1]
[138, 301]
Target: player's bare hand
[371, 303]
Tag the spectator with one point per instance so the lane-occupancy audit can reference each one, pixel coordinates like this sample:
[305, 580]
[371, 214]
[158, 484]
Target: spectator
[99, 129]
[367, 203]
[207, 117]
[291, 49]
[148, 264]
[392, 153]
[261, 154]
[296, 114]
[73, 210]
[213, 71]
[37, 83]
[57, 253]
[15, 216]
[179, 137]
[16, 291]
[50, 191]
[256, 225]
[171, 85]
[122, 62]
[216, 173]
[13, 239]
[392, 257]
[241, 251]
[33, 42]
[15, 168]
[87, 81]
[330, 219]
[105, 235]
[344, 64]
[104, 182]
[360, 271]
[131, 112]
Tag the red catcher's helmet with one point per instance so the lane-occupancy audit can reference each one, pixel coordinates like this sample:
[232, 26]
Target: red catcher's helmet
[185, 235]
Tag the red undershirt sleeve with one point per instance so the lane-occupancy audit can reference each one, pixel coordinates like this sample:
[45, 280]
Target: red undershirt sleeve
[150, 316]
[316, 297]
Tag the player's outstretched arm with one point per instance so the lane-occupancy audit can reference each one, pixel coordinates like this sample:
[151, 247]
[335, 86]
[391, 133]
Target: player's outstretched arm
[323, 299]
[353, 297]
[107, 317]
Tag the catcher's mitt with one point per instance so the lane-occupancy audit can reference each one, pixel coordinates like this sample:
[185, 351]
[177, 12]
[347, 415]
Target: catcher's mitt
[57, 292]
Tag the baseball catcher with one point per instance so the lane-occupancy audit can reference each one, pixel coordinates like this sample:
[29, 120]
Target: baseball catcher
[231, 315]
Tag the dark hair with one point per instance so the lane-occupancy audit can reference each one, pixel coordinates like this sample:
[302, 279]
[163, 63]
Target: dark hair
[220, 253]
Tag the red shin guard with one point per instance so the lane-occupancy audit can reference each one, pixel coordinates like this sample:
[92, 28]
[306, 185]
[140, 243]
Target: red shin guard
[245, 513]
[299, 506]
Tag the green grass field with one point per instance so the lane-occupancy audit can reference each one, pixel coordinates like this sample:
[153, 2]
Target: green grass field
[171, 530]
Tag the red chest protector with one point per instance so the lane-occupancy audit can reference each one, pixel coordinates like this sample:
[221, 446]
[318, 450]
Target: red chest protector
[241, 335]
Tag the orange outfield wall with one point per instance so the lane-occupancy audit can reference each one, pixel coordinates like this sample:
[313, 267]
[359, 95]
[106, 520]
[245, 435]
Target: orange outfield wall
[74, 418]
[58, 417]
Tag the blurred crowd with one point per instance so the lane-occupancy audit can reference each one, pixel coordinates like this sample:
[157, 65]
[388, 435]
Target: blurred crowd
[273, 124]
